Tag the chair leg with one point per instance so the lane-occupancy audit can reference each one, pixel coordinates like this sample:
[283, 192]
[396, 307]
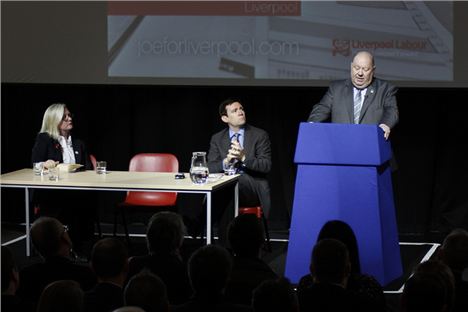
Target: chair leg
[267, 233]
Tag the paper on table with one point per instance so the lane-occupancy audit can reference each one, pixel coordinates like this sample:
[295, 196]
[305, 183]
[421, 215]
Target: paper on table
[69, 167]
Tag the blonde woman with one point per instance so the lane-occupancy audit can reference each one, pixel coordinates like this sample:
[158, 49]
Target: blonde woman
[54, 142]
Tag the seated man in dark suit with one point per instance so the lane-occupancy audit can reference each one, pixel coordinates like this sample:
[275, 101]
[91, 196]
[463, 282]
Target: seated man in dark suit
[51, 240]
[109, 260]
[247, 149]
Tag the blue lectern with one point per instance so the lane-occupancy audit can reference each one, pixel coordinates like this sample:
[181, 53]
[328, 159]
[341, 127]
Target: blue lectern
[343, 174]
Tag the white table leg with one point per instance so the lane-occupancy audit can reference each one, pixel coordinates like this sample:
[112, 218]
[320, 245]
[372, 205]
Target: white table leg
[28, 243]
[208, 218]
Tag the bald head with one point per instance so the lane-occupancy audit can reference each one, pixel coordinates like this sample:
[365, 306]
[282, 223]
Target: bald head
[362, 69]
[48, 235]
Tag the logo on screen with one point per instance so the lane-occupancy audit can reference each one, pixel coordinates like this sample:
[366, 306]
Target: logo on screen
[342, 47]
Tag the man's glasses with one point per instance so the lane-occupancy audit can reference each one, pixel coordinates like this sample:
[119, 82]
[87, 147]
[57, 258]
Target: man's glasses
[65, 116]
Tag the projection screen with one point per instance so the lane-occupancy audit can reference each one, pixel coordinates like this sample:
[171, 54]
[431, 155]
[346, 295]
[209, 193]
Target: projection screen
[276, 43]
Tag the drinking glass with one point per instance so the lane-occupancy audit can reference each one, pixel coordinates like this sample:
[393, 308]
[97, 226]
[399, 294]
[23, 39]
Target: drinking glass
[54, 174]
[230, 168]
[101, 167]
[38, 168]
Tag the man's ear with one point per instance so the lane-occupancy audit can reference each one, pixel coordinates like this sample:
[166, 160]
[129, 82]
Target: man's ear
[224, 118]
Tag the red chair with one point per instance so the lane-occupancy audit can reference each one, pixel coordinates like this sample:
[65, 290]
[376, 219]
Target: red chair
[148, 162]
[257, 210]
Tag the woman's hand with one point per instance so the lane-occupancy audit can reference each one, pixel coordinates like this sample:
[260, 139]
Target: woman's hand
[50, 163]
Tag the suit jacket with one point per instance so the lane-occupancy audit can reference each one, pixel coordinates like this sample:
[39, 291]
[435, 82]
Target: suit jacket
[379, 105]
[47, 147]
[104, 297]
[256, 165]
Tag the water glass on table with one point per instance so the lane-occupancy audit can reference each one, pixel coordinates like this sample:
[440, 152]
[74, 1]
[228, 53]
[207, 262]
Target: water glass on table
[101, 167]
[54, 173]
[230, 168]
[38, 168]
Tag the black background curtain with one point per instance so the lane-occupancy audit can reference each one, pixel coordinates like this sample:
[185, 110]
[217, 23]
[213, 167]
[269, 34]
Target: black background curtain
[119, 121]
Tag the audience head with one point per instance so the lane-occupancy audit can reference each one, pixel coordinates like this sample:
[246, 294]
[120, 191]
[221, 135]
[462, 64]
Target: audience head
[59, 296]
[275, 295]
[443, 272]
[147, 291]
[341, 231]
[109, 259]
[246, 235]
[424, 292]
[10, 277]
[165, 233]
[50, 237]
[330, 262]
[129, 309]
[454, 250]
[56, 116]
[209, 270]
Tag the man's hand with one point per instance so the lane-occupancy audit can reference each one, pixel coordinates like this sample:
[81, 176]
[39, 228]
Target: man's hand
[236, 152]
[386, 130]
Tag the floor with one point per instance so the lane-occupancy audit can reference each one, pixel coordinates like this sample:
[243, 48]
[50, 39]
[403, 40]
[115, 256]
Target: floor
[412, 253]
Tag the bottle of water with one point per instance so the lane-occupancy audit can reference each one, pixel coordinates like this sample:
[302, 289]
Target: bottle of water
[199, 168]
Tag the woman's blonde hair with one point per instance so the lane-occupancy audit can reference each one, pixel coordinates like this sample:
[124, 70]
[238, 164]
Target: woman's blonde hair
[52, 119]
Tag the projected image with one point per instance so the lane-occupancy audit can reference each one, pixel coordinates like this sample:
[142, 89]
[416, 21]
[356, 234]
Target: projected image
[280, 40]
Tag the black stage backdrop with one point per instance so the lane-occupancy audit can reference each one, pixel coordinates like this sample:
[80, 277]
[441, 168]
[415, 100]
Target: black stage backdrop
[118, 121]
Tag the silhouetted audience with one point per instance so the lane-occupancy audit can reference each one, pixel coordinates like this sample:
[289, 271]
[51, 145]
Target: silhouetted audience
[164, 237]
[365, 290]
[424, 292]
[330, 268]
[454, 253]
[129, 309]
[246, 237]
[109, 261]
[443, 272]
[60, 296]
[51, 240]
[10, 283]
[275, 295]
[209, 270]
[148, 292]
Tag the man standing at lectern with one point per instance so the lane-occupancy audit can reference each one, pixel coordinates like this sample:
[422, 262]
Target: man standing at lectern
[363, 99]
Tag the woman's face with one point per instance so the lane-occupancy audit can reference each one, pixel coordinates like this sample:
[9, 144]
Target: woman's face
[67, 123]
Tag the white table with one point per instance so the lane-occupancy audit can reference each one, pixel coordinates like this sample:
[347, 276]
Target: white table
[118, 181]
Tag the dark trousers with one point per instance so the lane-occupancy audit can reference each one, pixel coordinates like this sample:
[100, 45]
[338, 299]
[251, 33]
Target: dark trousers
[222, 207]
